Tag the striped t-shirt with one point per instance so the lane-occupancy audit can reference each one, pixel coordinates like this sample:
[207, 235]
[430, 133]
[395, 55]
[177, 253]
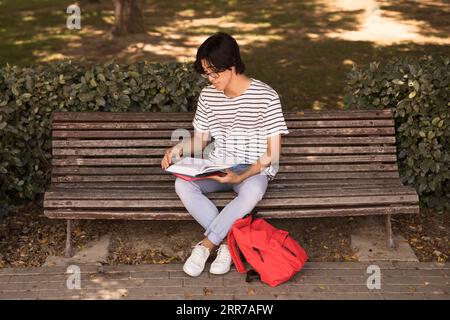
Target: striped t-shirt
[241, 125]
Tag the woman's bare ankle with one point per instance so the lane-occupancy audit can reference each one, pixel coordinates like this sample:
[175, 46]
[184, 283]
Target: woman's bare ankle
[208, 244]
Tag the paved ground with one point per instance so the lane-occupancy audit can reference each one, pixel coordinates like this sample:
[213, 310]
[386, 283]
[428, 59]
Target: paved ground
[318, 280]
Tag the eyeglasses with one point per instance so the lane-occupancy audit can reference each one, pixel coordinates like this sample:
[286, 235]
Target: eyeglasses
[213, 75]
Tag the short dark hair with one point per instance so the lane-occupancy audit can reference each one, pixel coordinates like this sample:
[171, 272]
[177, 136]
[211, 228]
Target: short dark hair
[221, 51]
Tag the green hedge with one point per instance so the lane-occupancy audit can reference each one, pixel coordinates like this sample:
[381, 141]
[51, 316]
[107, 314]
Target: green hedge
[28, 96]
[418, 89]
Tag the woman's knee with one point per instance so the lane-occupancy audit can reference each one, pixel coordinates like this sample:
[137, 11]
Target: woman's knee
[258, 194]
[182, 186]
[254, 191]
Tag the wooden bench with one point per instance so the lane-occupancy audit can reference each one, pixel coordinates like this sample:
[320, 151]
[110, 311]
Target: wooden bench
[333, 163]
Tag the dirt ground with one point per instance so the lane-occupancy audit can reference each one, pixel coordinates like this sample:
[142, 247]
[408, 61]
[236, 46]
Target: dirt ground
[28, 237]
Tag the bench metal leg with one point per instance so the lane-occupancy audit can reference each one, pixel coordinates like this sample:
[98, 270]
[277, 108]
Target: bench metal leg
[68, 252]
[390, 237]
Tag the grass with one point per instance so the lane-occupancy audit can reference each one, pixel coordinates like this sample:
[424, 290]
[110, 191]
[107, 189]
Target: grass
[303, 49]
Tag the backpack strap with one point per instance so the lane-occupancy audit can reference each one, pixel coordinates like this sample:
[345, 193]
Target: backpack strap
[252, 275]
[234, 252]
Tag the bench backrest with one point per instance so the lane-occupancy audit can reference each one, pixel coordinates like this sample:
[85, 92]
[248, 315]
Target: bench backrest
[101, 149]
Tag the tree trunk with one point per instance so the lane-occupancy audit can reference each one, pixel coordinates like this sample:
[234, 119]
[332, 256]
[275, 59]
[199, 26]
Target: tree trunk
[128, 17]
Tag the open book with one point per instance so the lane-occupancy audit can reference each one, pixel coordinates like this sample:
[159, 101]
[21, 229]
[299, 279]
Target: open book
[198, 168]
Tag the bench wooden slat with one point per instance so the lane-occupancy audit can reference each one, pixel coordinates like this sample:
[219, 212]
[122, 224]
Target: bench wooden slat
[167, 134]
[379, 131]
[267, 213]
[106, 162]
[121, 125]
[316, 141]
[338, 167]
[168, 124]
[338, 150]
[183, 116]
[133, 134]
[280, 176]
[266, 203]
[160, 151]
[109, 152]
[350, 159]
[270, 194]
[338, 212]
[354, 183]
[323, 159]
[344, 123]
[112, 143]
[117, 214]
[285, 168]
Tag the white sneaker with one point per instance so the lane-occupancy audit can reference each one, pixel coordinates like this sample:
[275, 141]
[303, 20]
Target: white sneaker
[223, 261]
[195, 264]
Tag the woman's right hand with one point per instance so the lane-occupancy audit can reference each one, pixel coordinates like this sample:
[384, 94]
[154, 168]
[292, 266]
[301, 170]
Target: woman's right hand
[169, 154]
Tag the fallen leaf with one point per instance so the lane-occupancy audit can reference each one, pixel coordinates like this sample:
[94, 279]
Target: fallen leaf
[207, 291]
[437, 253]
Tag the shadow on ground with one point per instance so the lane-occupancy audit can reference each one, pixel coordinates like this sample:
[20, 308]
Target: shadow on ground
[303, 49]
[28, 238]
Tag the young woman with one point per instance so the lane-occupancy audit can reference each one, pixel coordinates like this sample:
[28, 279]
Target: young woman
[244, 117]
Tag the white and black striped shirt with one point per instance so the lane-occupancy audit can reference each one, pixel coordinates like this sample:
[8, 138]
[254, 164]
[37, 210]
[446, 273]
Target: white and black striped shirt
[241, 125]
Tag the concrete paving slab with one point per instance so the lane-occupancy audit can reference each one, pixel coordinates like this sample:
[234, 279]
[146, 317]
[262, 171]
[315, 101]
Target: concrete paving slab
[369, 243]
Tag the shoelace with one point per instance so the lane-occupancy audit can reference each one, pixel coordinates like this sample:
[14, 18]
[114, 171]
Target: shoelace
[222, 255]
[197, 252]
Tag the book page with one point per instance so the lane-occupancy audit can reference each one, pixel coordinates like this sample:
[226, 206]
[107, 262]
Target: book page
[196, 166]
[189, 166]
[215, 166]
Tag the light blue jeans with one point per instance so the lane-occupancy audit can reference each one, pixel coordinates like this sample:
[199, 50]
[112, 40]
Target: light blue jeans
[217, 224]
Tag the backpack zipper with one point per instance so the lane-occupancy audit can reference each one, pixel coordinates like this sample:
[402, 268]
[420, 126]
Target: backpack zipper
[259, 253]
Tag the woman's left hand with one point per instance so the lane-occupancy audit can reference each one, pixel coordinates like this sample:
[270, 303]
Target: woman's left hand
[230, 177]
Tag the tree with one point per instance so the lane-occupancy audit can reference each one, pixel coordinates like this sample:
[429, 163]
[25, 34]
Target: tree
[128, 17]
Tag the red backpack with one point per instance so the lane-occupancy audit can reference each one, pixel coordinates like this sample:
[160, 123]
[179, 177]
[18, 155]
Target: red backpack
[274, 255]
